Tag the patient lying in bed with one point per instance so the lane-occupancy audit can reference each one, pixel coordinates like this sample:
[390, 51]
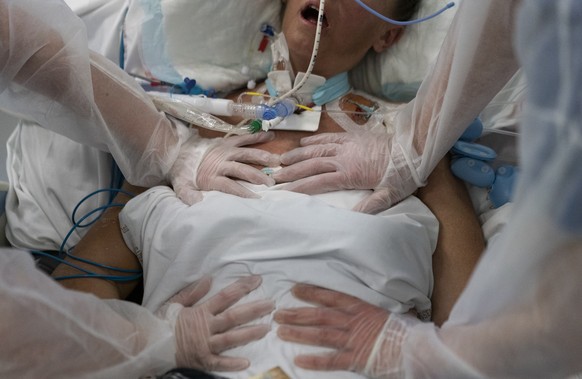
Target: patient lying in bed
[288, 237]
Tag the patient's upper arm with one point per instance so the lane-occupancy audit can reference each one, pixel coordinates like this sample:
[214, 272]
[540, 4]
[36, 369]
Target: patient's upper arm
[460, 241]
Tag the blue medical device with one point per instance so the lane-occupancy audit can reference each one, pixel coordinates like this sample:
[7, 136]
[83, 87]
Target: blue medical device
[471, 163]
[403, 23]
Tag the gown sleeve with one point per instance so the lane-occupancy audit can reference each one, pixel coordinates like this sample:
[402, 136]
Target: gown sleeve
[49, 76]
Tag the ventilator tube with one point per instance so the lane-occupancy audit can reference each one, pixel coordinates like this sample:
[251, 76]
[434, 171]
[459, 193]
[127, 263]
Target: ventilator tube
[225, 107]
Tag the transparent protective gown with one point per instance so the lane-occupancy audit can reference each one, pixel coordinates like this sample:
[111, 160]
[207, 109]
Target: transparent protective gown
[51, 332]
[457, 87]
[48, 75]
[519, 315]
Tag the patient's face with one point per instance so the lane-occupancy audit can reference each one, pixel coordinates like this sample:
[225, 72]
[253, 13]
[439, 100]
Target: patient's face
[348, 33]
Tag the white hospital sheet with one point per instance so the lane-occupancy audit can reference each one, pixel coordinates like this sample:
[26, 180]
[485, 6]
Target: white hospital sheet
[49, 174]
[286, 238]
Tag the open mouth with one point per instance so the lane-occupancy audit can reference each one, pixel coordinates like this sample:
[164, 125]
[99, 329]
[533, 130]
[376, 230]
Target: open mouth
[310, 13]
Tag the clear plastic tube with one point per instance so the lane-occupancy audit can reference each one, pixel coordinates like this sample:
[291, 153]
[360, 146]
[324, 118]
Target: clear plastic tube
[250, 110]
[197, 117]
[224, 107]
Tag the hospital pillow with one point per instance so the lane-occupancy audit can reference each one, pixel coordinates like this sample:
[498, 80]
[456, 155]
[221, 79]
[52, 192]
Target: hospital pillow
[396, 73]
[215, 42]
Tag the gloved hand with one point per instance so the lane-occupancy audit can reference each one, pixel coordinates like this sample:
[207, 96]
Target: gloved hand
[338, 161]
[205, 330]
[216, 164]
[366, 338]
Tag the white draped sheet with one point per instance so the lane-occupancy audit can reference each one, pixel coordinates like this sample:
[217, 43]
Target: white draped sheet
[286, 238]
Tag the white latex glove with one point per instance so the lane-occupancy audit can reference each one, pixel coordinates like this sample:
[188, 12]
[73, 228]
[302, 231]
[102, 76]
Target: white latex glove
[216, 164]
[367, 339]
[205, 330]
[338, 161]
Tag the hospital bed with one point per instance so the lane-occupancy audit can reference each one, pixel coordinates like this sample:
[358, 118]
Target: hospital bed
[376, 75]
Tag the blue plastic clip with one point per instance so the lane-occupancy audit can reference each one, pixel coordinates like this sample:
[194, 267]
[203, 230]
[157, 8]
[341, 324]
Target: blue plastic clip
[268, 30]
[189, 87]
